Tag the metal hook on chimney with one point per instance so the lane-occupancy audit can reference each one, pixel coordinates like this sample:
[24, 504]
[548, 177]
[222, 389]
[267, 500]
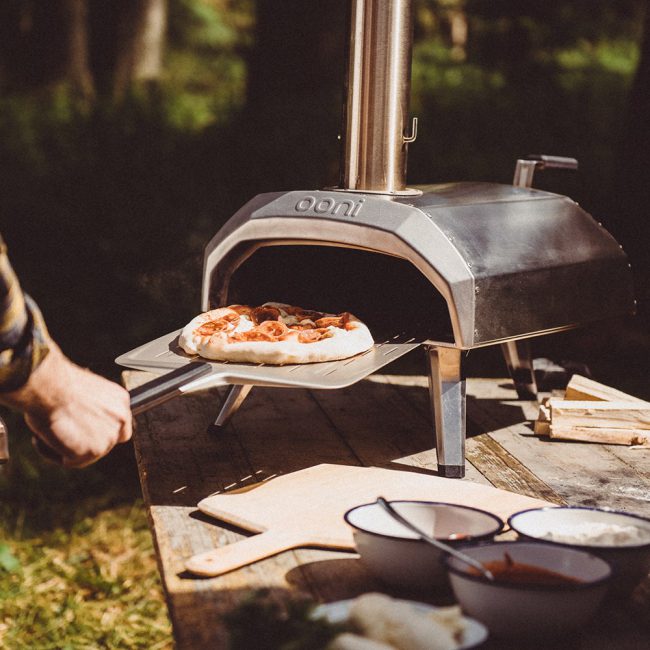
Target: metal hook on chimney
[414, 132]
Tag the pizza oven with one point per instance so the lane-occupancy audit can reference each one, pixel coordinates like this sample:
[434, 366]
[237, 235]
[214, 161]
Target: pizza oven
[493, 264]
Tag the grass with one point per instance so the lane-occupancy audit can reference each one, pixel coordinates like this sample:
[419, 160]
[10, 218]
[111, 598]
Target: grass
[94, 586]
[77, 565]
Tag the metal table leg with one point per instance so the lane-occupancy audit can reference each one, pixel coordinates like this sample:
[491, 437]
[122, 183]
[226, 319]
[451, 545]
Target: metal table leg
[234, 400]
[447, 389]
[520, 366]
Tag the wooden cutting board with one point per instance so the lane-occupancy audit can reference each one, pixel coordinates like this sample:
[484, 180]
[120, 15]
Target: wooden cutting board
[306, 508]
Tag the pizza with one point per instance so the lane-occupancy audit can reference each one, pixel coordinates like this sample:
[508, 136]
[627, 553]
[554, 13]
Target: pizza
[274, 333]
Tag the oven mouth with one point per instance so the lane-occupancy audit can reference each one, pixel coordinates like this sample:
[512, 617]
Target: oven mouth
[387, 293]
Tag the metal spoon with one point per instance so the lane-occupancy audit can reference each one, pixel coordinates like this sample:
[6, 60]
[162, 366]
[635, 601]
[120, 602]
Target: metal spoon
[441, 546]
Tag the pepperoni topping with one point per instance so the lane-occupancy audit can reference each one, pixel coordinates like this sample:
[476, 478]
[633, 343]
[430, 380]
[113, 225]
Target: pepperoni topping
[270, 330]
[330, 321]
[231, 317]
[261, 314]
[273, 328]
[303, 325]
[312, 336]
[348, 322]
[251, 335]
[213, 326]
[342, 320]
[312, 326]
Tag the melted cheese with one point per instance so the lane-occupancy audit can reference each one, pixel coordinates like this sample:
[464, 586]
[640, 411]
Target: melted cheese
[244, 325]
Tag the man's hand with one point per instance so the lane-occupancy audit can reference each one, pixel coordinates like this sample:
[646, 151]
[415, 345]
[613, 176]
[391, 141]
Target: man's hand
[78, 414]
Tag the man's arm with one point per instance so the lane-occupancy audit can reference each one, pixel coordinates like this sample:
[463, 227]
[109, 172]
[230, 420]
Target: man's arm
[23, 335]
[78, 414]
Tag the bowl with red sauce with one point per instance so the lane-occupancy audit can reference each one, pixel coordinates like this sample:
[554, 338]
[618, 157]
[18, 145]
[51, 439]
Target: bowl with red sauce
[538, 589]
[396, 556]
[620, 538]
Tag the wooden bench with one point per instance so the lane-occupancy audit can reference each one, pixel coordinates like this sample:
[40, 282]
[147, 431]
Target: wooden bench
[382, 421]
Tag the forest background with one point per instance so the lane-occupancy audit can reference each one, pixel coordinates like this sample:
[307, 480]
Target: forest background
[131, 130]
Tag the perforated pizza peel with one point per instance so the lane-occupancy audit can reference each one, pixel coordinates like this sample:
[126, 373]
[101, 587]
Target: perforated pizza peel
[184, 374]
[306, 508]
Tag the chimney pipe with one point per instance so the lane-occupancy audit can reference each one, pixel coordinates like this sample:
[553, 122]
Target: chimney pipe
[377, 102]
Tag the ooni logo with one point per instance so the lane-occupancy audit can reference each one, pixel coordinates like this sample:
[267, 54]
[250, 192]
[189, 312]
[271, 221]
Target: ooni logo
[329, 205]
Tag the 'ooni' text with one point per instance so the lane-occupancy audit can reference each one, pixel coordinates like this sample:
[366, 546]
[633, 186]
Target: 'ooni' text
[329, 205]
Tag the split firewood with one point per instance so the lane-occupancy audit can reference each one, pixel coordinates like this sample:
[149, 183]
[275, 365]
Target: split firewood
[609, 415]
[594, 412]
[602, 435]
[582, 388]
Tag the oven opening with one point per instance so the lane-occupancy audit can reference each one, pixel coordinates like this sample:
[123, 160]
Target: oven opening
[389, 294]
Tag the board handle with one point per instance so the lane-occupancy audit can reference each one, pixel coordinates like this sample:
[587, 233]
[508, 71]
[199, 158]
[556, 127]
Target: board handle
[238, 554]
[169, 385]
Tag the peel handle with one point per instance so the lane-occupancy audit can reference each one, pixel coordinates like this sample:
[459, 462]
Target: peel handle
[246, 551]
[169, 385]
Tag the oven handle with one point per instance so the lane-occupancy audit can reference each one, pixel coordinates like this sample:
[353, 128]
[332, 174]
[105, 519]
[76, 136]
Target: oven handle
[525, 168]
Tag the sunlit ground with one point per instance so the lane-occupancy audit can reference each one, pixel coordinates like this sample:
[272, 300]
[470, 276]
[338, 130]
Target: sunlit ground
[77, 565]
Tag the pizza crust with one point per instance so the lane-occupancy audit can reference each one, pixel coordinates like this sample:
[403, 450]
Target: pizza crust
[339, 343]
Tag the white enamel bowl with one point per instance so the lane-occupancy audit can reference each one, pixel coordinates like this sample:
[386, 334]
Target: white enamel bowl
[531, 610]
[630, 561]
[395, 555]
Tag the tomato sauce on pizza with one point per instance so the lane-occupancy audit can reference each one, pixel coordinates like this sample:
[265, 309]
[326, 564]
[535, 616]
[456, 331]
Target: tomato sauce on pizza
[274, 333]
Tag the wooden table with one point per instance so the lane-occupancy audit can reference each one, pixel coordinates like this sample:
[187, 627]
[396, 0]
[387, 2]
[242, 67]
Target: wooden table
[382, 421]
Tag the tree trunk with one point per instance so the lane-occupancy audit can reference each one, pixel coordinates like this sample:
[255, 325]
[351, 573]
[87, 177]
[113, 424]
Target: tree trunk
[128, 43]
[76, 57]
[141, 35]
[148, 63]
[458, 31]
[45, 43]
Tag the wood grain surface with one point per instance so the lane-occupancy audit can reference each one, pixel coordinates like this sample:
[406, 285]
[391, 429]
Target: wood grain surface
[384, 421]
[307, 508]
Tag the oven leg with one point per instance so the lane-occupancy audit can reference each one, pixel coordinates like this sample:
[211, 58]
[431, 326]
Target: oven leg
[234, 400]
[447, 390]
[520, 366]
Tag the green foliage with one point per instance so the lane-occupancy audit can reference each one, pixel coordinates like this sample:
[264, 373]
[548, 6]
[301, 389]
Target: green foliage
[528, 82]
[213, 25]
[205, 71]
[191, 103]
[508, 33]
[8, 561]
[93, 585]
[77, 567]
[82, 192]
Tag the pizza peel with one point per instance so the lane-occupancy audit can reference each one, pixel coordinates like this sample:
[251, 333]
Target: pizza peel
[306, 508]
[182, 373]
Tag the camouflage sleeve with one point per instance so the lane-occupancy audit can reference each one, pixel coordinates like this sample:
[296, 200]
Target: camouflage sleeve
[23, 334]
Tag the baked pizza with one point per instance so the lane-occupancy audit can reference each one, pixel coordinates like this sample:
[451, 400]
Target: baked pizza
[274, 333]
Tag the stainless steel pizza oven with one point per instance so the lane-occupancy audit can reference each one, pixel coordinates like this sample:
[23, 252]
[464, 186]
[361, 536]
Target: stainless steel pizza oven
[508, 262]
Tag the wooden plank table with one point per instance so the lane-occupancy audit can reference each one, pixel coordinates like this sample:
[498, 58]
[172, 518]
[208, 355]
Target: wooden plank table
[382, 421]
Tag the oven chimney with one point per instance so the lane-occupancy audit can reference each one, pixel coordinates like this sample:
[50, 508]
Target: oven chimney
[377, 96]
